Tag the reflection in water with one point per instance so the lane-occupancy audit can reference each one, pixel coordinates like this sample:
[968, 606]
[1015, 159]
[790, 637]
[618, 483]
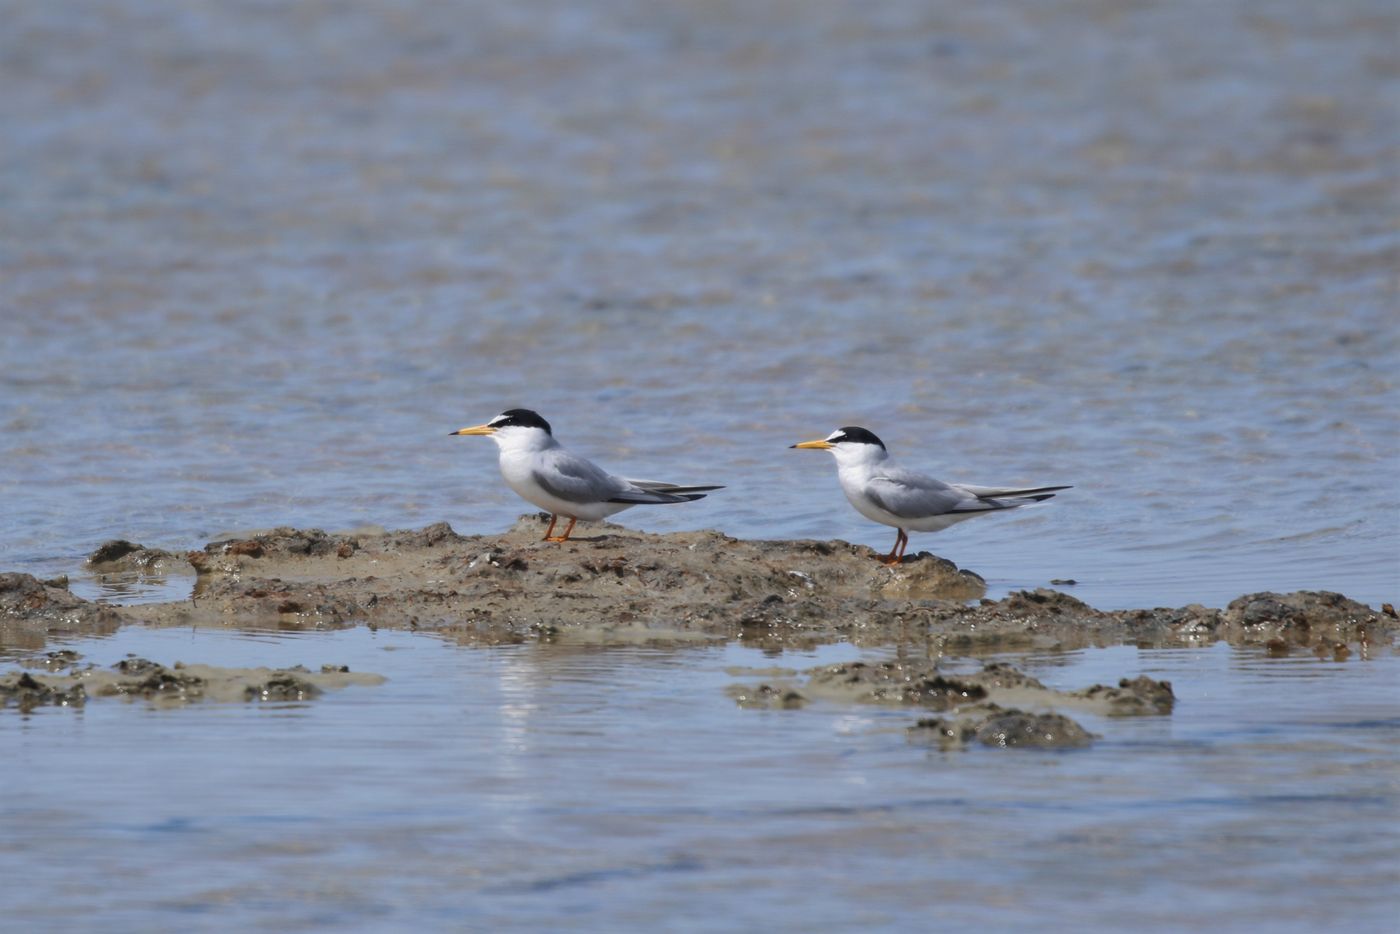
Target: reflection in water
[133, 587]
[538, 783]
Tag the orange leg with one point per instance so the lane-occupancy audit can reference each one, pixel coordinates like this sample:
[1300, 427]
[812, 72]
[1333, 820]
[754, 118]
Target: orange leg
[896, 555]
[550, 531]
[565, 537]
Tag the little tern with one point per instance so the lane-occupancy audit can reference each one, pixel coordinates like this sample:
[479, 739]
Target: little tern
[881, 490]
[540, 471]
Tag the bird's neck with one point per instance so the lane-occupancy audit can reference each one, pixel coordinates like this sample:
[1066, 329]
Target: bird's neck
[531, 443]
[868, 456]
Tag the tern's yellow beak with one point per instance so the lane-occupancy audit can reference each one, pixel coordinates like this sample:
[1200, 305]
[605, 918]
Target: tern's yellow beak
[474, 430]
[815, 445]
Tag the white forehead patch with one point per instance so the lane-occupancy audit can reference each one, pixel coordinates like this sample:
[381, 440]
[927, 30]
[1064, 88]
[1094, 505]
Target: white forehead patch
[837, 435]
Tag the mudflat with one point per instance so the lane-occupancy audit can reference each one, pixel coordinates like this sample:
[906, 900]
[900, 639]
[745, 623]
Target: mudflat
[611, 584]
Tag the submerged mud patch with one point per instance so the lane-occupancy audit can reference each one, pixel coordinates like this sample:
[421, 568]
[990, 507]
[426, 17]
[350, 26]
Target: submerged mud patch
[1004, 729]
[139, 678]
[971, 703]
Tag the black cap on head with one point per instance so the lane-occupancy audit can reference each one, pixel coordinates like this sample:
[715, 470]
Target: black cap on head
[520, 418]
[854, 434]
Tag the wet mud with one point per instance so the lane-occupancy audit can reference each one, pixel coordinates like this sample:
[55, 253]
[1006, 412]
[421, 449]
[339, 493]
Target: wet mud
[62, 681]
[30, 609]
[996, 706]
[611, 584]
[1005, 729]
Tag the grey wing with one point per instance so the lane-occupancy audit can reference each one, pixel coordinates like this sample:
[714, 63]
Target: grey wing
[1035, 493]
[659, 486]
[910, 495]
[575, 480]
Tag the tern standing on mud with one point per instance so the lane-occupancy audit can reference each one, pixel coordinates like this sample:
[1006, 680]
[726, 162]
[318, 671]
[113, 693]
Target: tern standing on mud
[540, 471]
[883, 491]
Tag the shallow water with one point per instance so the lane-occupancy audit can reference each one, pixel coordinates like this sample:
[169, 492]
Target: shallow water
[257, 260]
[546, 786]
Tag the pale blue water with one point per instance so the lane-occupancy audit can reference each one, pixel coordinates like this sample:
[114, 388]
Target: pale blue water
[546, 787]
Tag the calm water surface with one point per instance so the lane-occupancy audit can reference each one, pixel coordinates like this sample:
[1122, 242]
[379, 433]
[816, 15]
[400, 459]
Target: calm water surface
[257, 260]
[547, 786]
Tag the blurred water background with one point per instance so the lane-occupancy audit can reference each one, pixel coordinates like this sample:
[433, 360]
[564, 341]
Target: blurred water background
[257, 259]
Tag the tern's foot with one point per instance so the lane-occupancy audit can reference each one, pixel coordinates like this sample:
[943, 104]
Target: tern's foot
[556, 538]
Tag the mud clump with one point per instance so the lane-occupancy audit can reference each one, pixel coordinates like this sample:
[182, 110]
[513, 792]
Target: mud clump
[120, 555]
[998, 705]
[136, 666]
[27, 693]
[283, 543]
[903, 683]
[1009, 729]
[283, 686]
[919, 683]
[30, 608]
[929, 577]
[142, 678]
[53, 661]
[1303, 618]
[945, 732]
[1132, 697]
[766, 697]
[1003, 729]
[139, 678]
